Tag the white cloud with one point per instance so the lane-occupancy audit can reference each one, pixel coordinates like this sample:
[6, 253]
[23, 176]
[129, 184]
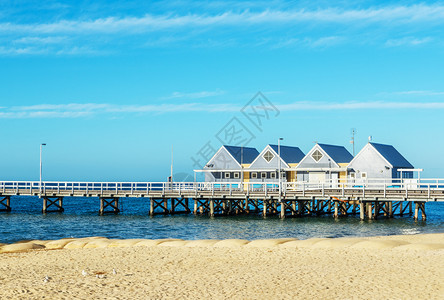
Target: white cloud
[40, 40]
[77, 110]
[195, 95]
[391, 15]
[408, 41]
[415, 93]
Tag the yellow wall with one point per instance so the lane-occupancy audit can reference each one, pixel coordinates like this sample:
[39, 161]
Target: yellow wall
[246, 176]
[292, 175]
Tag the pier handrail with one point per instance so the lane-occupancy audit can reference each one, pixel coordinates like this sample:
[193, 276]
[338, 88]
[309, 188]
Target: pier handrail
[423, 184]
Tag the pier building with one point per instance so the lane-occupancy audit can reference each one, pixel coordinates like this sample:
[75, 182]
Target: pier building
[228, 162]
[265, 167]
[324, 163]
[379, 161]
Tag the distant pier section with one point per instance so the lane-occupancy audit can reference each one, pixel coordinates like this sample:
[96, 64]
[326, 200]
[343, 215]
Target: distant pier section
[369, 200]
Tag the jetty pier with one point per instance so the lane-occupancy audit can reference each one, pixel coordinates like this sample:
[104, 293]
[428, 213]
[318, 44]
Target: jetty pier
[370, 199]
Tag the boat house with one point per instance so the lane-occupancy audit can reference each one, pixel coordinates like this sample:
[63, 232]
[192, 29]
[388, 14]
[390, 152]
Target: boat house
[265, 167]
[228, 163]
[324, 163]
[379, 161]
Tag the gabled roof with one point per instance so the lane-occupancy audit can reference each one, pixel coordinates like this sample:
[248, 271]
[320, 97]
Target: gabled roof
[392, 156]
[244, 155]
[289, 154]
[338, 153]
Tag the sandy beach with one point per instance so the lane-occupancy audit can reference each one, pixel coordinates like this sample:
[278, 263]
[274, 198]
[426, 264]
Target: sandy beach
[390, 267]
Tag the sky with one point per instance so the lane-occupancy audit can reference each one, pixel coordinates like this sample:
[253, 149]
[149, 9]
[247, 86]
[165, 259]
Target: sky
[114, 87]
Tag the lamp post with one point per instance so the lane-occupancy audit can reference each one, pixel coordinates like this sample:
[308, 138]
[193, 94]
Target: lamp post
[279, 173]
[40, 185]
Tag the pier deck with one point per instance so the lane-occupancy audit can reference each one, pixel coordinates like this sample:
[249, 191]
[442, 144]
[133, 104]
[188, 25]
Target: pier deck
[369, 199]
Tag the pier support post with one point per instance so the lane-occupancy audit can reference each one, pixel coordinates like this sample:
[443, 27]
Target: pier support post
[151, 207]
[195, 207]
[52, 201]
[401, 211]
[264, 214]
[293, 205]
[390, 209]
[211, 207]
[361, 211]
[112, 202]
[247, 208]
[423, 213]
[410, 208]
[282, 209]
[336, 215]
[420, 207]
[369, 211]
[416, 211]
[6, 203]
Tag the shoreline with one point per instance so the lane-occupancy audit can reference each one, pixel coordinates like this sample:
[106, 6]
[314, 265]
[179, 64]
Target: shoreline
[382, 267]
[425, 241]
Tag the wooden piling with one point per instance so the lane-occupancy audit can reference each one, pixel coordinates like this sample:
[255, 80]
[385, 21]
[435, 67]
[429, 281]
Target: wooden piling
[336, 214]
[195, 207]
[369, 211]
[390, 209]
[264, 213]
[282, 209]
[361, 211]
[151, 207]
[416, 211]
[211, 207]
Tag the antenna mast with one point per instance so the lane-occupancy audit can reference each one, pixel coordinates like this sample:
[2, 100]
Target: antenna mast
[353, 132]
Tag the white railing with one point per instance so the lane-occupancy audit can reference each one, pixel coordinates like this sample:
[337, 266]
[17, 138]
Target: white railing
[230, 187]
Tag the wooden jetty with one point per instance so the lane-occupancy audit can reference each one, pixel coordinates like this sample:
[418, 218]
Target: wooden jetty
[369, 200]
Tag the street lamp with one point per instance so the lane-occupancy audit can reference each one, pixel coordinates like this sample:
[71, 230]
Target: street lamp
[279, 174]
[40, 185]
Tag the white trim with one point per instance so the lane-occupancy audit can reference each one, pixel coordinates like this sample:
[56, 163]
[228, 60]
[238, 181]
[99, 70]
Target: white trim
[236, 175]
[262, 175]
[309, 155]
[217, 152]
[322, 155]
[225, 175]
[372, 147]
[260, 154]
[273, 156]
[255, 175]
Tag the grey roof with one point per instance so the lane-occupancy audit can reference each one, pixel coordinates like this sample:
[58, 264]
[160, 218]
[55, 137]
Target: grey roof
[244, 155]
[392, 155]
[338, 153]
[289, 154]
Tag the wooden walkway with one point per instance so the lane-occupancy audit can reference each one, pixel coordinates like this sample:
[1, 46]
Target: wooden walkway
[370, 199]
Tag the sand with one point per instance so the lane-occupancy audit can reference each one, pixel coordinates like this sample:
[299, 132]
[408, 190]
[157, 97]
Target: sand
[394, 267]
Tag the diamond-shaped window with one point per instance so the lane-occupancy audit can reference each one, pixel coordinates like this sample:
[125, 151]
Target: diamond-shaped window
[268, 156]
[317, 155]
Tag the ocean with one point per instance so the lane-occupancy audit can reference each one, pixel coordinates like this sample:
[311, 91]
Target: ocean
[81, 219]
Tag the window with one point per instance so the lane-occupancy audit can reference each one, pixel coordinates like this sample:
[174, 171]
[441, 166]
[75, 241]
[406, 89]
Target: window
[317, 155]
[364, 175]
[264, 174]
[254, 175]
[273, 175]
[268, 156]
[236, 175]
[227, 175]
[352, 175]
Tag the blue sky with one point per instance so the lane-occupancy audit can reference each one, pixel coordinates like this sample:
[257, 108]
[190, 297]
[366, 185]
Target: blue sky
[110, 86]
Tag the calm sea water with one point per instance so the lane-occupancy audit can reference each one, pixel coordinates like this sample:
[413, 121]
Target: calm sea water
[81, 219]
